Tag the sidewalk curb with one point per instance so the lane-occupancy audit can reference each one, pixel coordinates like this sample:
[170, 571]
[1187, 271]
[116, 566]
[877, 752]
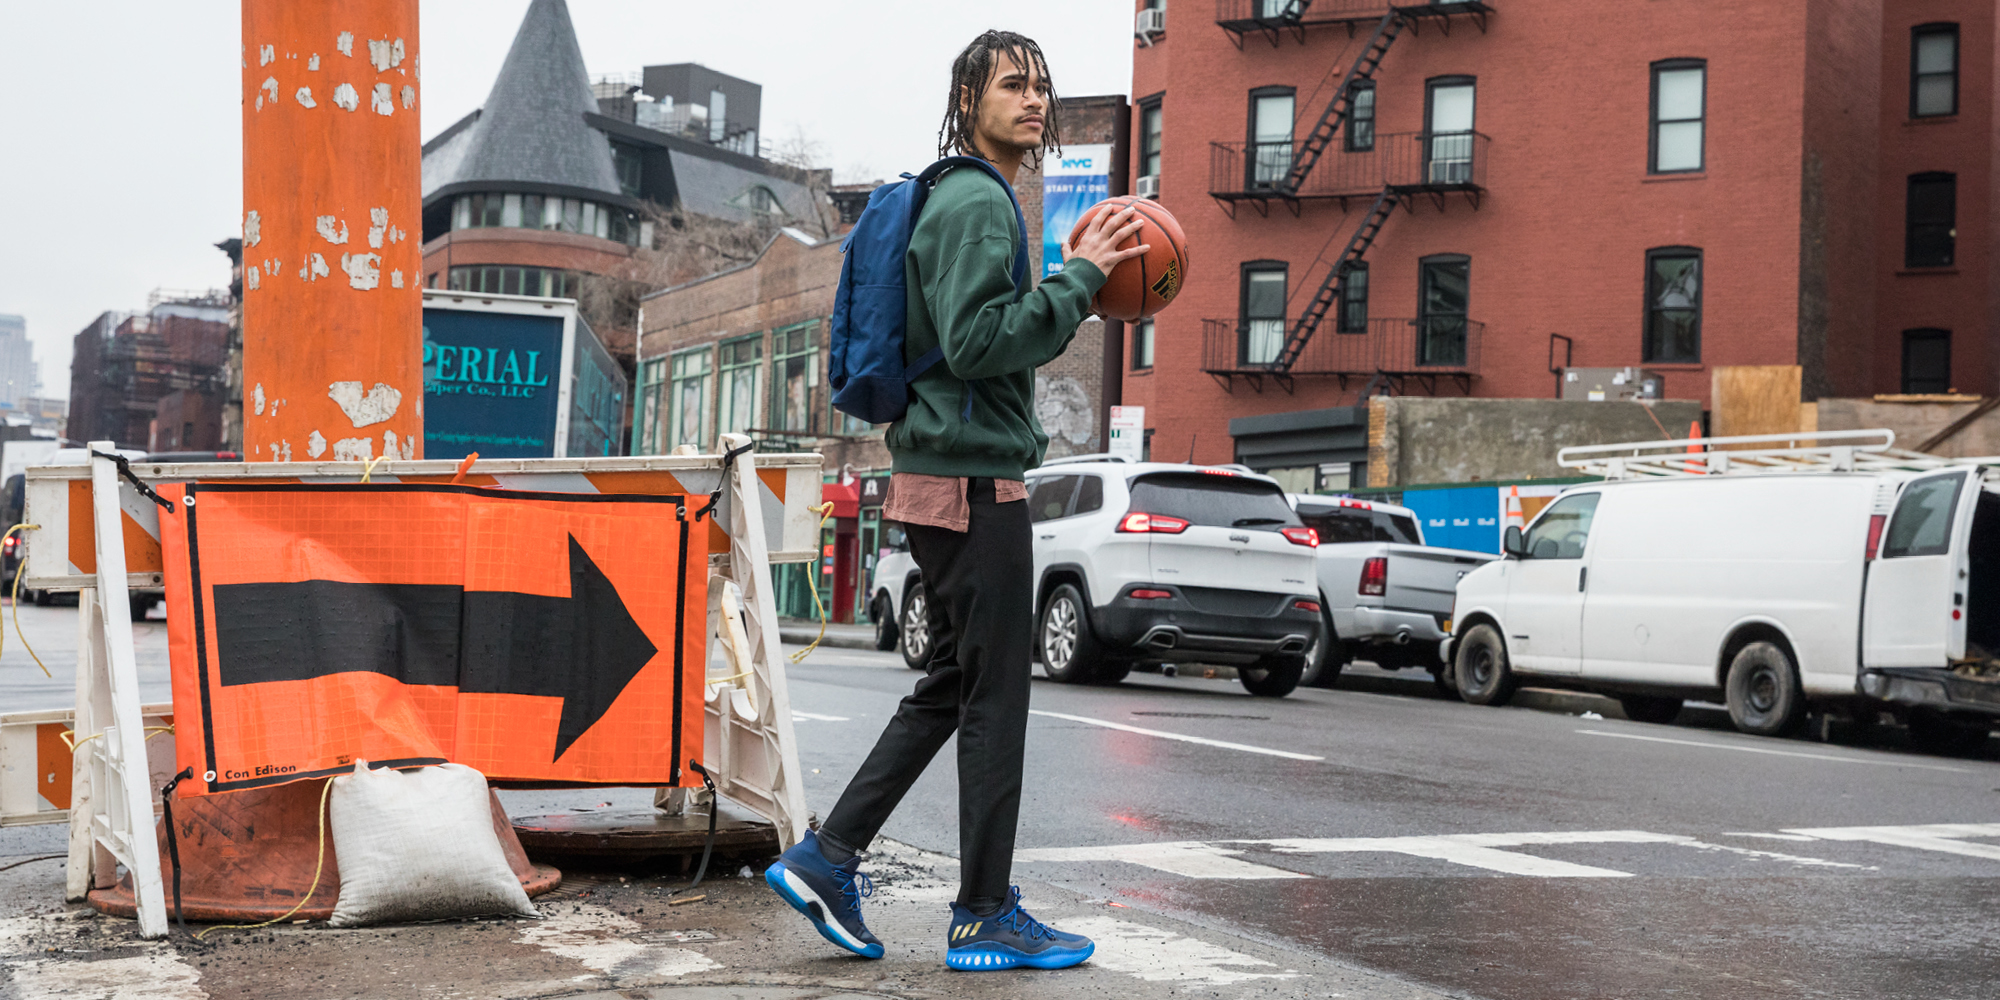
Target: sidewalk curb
[838, 637]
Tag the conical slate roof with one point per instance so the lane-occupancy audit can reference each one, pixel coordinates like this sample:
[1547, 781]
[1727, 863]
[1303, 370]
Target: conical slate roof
[532, 128]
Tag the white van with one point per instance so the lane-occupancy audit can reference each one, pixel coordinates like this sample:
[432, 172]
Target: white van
[1769, 579]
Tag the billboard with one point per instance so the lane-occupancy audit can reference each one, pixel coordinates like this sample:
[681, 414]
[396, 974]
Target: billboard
[492, 383]
[1071, 183]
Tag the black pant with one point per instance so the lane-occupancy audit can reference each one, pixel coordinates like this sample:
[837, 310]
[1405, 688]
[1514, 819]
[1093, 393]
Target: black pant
[981, 606]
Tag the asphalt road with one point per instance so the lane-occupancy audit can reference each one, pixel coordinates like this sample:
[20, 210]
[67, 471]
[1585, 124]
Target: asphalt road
[1504, 853]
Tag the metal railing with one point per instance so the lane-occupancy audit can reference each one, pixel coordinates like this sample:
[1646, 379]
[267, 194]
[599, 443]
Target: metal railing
[1441, 345]
[1409, 162]
[1249, 15]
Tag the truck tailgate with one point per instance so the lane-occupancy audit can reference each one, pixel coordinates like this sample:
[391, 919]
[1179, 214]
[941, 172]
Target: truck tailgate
[1422, 578]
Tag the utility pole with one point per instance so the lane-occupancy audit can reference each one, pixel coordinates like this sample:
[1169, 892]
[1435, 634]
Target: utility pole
[332, 231]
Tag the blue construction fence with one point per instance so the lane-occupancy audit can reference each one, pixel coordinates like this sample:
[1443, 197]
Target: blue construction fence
[1470, 516]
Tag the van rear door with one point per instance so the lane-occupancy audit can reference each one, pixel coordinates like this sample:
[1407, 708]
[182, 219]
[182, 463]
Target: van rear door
[1914, 609]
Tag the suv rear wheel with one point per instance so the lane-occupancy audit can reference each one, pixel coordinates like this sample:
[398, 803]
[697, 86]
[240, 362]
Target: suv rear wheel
[1273, 676]
[1327, 655]
[1070, 651]
[916, 628]
[886, 632]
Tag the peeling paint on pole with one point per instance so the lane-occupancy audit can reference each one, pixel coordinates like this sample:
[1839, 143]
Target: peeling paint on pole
[313, 168]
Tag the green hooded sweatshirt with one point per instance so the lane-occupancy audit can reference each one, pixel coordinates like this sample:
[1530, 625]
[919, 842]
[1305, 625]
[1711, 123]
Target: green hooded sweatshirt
[960, 274]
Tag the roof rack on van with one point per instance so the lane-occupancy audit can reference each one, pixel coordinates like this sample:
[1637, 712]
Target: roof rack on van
[1756, 454]
[1095, 457]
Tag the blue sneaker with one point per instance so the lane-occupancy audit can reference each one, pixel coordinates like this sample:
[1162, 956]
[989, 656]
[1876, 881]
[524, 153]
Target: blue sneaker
[1009, 939]
[828, 894]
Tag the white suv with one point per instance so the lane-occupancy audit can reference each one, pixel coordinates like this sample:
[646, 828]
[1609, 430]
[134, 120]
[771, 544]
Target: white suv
[1163, 562]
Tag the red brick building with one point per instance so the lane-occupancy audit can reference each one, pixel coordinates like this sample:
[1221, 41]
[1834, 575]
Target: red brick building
[1504, 187]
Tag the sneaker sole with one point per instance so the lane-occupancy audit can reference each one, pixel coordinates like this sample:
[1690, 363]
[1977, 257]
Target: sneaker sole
[802, 898]
[993, 959]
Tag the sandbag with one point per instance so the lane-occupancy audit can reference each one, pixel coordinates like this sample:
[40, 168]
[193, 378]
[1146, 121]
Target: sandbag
[419, 845]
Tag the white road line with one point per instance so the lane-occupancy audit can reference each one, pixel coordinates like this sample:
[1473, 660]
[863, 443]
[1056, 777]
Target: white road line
[798, 716]
[1479, 850]
[1159, 956]
[1121, 727]
[1778, 753]
[1189, 860]
[1945, 838]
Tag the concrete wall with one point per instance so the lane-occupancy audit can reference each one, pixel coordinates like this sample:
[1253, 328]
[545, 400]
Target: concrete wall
[1915, 421]
[1415, 440]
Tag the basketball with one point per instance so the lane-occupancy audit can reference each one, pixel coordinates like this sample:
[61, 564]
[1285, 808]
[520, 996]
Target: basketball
[1142, 285]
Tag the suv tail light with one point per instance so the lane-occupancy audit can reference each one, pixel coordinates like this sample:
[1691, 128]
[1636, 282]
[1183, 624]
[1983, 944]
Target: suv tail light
[1307, 537]
[1375, 577]
[1161, 523]
[1875, 524]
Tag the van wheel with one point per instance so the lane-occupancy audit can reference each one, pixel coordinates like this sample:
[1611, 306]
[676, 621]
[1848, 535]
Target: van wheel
[1934, 733]
[1483, 675]
[1070, 652]
[1765, 698]
[886, 632]
[1327, 656]
[1273, 676]
[916, 628]
[1650, 708]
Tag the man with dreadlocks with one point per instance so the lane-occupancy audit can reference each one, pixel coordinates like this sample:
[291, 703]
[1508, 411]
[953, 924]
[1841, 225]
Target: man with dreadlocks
[960, 452]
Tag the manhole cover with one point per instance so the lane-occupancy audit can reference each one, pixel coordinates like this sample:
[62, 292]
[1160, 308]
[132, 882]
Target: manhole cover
[1205, 715]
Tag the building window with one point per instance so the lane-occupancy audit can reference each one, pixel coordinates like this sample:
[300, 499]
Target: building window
[1448, 107]
[1926, 361]
[652, 385]
[1263, 311]
[1361, 117]
[1673, 305]
[1270, 136]
[1933, 70]
[741, 360]
[1444, 296]
[495, 279]
[1930, 220]
[1680, 96]
[718, 116]
[687, 400]
[630, 164]
[1142, 344]
[1354, 300]
[1150, 123]
[794, 372]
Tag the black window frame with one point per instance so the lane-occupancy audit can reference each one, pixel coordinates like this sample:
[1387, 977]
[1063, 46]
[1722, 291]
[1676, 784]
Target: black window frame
[1144, 334]
[1654, 121]
[1916, 230]
[1646, 338]
[1353, 311]
[1431, 134]
[1243, 316]
[1957, 52]
[1425, 316]
[1151, 105]
[1250, 143]
[1356, 141]
[1924, 334]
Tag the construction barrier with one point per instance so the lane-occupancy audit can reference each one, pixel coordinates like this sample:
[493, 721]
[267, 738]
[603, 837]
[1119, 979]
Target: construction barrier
[563, 504]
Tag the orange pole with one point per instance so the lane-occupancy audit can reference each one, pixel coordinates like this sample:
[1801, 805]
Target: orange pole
[332, 231]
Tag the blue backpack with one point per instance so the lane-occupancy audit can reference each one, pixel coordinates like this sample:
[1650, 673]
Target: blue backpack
[870, 308]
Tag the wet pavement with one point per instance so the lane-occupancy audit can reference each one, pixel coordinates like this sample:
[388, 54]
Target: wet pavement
[1369, 841]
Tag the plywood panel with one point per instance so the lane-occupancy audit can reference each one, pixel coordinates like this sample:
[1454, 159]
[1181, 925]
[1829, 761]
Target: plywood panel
[1754, 399]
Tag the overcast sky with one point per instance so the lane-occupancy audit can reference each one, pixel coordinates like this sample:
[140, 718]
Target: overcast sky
[121, 159]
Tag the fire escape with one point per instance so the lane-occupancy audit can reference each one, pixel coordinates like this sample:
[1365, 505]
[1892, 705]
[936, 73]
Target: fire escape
[1383, 172]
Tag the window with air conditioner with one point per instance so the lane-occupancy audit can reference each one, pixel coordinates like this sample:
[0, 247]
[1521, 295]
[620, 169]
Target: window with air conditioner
[1448, 117]
[1151, 128]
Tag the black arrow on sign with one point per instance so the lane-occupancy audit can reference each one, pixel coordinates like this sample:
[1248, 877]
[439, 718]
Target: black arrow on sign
[583, 648]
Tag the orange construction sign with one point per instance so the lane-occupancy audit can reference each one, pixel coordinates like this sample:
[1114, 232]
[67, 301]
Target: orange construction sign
[536, 637]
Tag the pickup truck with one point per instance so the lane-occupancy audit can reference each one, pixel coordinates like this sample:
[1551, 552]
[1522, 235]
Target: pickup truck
[1387, 597]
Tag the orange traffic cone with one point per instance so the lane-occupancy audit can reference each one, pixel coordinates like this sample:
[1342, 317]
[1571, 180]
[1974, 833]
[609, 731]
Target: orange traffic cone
[1513, 518]
[1694, 433]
